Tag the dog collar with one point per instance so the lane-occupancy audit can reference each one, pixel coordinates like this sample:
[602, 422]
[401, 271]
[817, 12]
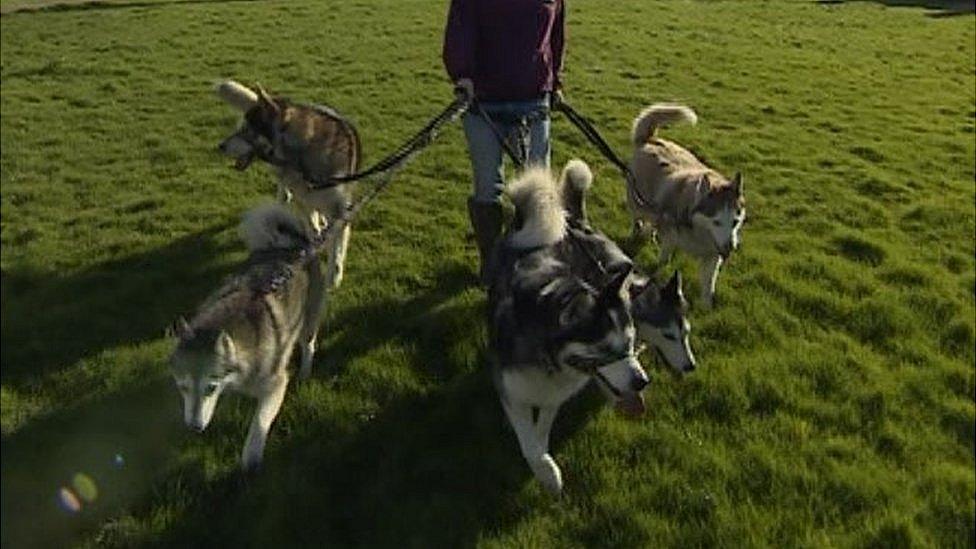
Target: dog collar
[592, 370]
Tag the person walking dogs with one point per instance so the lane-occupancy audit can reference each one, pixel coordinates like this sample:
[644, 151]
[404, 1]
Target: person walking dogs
[506, 55]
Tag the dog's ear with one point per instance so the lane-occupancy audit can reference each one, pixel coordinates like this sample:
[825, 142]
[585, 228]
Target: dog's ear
[671, 292]
[577, 310]
[644, 292]
[180, 329]
[225, 347]
[617, 287]
[737, 184]
[265, 101]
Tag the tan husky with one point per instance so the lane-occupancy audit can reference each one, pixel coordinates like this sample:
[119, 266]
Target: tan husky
[241, 339]
[692, 207]
[304, 144]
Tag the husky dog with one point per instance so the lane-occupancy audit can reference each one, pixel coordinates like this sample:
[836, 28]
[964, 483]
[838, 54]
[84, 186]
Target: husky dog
[304, 144]
[695, 208]
[658, 311]
[560, 316]
[243, 335]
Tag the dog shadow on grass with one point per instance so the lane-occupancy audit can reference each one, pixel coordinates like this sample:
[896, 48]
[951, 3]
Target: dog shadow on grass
[938, 8]
[50, 322]
[432, 468]
[119, 443]
[57, 6]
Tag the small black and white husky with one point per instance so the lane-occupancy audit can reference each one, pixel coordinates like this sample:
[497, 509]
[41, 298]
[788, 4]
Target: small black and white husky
[566, 308]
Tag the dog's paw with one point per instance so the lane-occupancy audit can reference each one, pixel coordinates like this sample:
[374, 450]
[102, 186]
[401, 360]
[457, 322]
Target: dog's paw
[308, 356]
[251, 461]
[549, 474]
[250, 467]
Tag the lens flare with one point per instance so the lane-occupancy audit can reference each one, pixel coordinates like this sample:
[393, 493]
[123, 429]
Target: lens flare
[85, 487]
[68, 501]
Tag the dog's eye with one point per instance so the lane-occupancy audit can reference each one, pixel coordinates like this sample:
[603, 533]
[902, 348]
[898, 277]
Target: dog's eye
[211, 388]
[717, 223]
[670, 337]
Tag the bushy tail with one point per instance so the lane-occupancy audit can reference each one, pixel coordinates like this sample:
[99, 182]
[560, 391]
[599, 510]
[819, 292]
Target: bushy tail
[575, 182]
[659, 115]
[236, 94]
[538, 208]
[273, 226]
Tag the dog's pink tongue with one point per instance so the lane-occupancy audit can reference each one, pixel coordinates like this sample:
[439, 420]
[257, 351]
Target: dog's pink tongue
[631, 405]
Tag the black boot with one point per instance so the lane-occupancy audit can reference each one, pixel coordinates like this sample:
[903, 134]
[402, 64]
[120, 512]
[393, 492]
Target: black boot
[486, 220]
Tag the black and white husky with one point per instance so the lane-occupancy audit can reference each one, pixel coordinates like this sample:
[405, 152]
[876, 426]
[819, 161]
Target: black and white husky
[563, 304]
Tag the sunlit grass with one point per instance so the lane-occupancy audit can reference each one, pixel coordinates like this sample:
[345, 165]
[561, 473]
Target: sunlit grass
[834, 402]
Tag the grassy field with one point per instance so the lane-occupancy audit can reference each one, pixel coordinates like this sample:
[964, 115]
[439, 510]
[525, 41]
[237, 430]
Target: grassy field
[834, 403]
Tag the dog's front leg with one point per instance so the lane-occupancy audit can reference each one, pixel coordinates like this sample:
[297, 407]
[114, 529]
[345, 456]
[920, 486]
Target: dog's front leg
[283, 195]
[337, 256]
[532, 429]
[708, 273]
[268, 406]
[315, 310]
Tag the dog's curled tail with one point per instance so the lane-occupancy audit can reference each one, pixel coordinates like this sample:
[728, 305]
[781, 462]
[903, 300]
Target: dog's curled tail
[236, 94]
[273, 226]
[575, 182]
[537, 208]
[657, 116]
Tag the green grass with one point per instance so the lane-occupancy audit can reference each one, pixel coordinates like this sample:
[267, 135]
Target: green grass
[834, 404]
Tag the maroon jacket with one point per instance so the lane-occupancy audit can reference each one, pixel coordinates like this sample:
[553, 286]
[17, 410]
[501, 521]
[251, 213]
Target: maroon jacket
[511, 49]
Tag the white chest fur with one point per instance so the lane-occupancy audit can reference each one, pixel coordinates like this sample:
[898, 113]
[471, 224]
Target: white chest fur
[535, 386]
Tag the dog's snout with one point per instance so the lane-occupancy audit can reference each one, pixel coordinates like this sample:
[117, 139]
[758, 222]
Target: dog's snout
[196, 427]
[637, 384]
[690, 367]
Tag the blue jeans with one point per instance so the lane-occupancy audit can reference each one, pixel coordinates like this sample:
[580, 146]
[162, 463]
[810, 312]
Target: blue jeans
[486, 151]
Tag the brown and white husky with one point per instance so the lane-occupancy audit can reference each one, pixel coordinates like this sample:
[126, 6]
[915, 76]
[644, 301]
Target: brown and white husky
[304, 144]
[693, 208]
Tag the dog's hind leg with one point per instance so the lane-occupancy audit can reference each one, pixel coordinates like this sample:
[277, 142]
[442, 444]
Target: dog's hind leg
[667, 244]
[708, 273]
[532, 429]
[268, 406]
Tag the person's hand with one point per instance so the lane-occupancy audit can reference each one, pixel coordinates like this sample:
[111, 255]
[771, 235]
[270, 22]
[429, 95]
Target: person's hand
[464, 87]
[555, 99]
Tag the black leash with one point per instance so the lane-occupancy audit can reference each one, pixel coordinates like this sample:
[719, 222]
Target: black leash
[387, 167]
[518, 157]
[591, 369]
[419, 141]
[601, 144]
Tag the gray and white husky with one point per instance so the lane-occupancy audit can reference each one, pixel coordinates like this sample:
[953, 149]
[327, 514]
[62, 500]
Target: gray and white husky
[304, 144]
[693, 208]
[562, 312]
[242, 337]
